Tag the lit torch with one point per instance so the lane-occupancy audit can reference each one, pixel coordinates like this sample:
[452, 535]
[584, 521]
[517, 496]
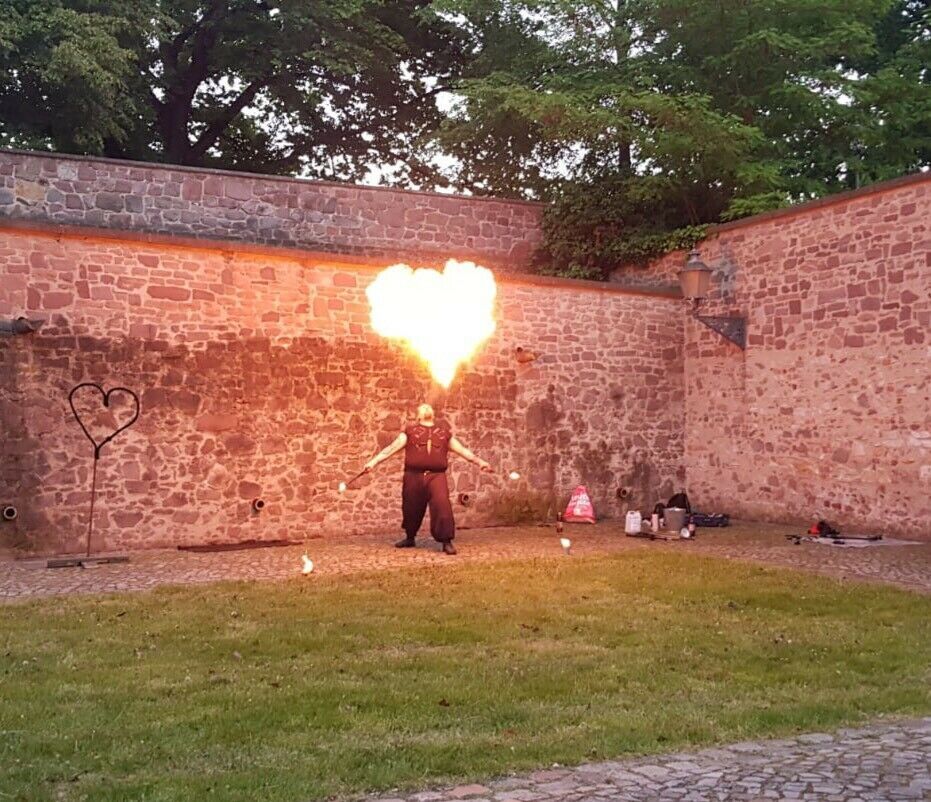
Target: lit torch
[343, 486]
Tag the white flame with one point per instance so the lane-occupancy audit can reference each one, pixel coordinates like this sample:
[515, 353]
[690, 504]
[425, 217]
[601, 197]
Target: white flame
[342, 487]
[308, 565]
[442, 317]
[514, 476]
[565, 543]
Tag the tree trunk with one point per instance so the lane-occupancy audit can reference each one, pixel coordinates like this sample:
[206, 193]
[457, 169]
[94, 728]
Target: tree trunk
[173, 122]
[621, 55]
[174, 113]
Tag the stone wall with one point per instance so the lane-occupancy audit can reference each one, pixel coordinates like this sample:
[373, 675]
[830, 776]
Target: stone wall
[235, 306]
[260, 377]
[367, 222]
[661, 273]
[828, 411]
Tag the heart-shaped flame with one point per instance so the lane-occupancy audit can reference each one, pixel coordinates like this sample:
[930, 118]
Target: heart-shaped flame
[105, 398]
[442, 317]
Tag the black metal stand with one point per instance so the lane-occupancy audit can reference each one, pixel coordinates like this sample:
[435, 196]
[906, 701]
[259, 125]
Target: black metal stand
[87, 560]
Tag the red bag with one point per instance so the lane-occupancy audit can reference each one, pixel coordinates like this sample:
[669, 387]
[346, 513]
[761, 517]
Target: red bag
[580, 509]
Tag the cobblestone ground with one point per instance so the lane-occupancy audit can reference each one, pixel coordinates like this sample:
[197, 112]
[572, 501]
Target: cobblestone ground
[886, 763]
[906, 566]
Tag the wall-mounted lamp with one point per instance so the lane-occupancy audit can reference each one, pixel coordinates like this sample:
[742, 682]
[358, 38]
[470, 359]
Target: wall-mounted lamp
[695, 279]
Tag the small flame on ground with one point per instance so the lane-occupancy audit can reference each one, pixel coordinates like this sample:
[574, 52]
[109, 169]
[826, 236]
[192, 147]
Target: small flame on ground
[565, 543]
[442, 317]
[308, 565]
[342, 487]
[514, 476]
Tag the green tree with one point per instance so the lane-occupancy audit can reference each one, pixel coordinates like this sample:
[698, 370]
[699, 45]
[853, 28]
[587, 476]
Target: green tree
[645, 120]
[326, 88]
[63, 77]
[564, 87]
[790, 69]
[892, 99]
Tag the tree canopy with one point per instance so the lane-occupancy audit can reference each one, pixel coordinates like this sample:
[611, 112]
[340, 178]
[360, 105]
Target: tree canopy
[646, 120]
[641, 120]
[326, 88]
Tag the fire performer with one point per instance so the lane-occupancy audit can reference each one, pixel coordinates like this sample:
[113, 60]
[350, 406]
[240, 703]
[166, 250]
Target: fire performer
[426, 443]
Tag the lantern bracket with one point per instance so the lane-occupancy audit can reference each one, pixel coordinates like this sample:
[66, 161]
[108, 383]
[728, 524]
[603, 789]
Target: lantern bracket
[730, 327]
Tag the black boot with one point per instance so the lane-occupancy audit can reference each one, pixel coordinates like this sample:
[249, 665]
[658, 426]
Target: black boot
[406, 543]
[449, 548]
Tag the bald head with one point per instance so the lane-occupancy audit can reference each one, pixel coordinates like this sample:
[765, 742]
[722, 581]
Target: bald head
[425, 414]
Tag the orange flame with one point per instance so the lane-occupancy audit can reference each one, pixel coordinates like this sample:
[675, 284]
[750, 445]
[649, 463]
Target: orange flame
[442, 317]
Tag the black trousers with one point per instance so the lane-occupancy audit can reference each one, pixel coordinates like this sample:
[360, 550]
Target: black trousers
[424, 489]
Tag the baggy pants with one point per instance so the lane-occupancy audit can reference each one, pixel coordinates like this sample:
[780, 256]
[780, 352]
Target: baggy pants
[420, 490]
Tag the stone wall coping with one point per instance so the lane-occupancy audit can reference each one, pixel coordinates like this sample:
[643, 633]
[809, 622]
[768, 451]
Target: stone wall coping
[620, 272]
[788, 211]
[818, 203]
[359, 262]
[209, 171]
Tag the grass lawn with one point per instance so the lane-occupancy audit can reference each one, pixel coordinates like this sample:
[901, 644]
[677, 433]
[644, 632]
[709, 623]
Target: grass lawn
[308, 688]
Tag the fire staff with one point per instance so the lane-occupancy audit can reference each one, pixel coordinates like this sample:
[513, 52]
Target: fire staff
[426, 443]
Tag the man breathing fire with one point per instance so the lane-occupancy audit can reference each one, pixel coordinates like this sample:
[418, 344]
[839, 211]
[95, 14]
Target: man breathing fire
[426, 443]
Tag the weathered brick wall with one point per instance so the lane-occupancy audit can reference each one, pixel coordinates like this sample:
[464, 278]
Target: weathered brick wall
[318, 216]
[828, 411]
[661, 273]
[260, 376]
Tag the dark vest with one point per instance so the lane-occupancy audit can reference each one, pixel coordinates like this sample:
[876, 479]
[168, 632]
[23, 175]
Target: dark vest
[416, 455]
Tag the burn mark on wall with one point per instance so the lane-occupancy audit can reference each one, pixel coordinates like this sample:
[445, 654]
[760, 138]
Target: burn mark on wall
[593, 464]
[542, 416]
[547, 438]
[645, 484]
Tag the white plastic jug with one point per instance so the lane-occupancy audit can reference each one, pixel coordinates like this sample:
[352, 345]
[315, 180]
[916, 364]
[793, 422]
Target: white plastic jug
[632, 522]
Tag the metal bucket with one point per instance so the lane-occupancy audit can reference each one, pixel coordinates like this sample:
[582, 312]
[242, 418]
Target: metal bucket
[675, 518]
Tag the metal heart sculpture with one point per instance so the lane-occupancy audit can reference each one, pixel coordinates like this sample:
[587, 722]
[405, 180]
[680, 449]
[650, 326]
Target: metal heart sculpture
[105, 397]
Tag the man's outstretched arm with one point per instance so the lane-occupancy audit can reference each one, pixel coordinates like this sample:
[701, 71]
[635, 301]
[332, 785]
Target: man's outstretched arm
[387, 452]
[458, 448]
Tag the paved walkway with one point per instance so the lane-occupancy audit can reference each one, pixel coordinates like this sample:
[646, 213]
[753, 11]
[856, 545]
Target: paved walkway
[905, 566]
[886, 763]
